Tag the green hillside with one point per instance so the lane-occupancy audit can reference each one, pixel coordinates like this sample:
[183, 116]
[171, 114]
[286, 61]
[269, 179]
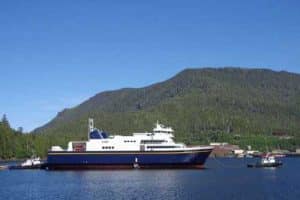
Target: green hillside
[195, 102]
[242, 106]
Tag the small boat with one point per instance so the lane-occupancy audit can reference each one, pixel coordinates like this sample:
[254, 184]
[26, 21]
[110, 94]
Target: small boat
[279, 155]
[266, 161]
[241, 155]
[249, 156]
[2, 167]
[33, 163]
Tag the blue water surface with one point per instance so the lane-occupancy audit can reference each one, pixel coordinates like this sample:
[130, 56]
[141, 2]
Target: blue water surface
[224, 178]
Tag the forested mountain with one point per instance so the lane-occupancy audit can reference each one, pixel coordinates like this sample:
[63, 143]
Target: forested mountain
[242, 106]
[255, 101]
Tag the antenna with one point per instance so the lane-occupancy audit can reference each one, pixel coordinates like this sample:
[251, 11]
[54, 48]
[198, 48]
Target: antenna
[91, 126]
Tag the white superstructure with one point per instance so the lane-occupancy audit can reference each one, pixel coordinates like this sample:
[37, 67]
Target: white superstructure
[161, 139]
[31, 162]
[268, 159]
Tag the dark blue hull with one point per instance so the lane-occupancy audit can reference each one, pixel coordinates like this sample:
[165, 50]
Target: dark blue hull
[110, 160]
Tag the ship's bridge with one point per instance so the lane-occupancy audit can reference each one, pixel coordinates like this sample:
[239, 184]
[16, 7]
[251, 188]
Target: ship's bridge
[96, 134]
[161, 129]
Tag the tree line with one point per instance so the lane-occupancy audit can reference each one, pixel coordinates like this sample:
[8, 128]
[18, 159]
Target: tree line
[14, 144]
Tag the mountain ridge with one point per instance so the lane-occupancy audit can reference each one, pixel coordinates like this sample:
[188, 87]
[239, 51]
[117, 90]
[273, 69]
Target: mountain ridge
[195, 100]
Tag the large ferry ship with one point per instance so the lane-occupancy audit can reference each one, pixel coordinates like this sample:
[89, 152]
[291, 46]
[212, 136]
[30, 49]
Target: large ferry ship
[155, 149]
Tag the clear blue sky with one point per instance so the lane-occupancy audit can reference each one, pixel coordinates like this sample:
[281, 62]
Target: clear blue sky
[55, 54]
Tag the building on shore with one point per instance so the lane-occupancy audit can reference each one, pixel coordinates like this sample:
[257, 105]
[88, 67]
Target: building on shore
[223, 149]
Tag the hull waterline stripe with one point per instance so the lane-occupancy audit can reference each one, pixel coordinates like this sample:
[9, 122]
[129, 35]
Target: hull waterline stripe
[125, 153]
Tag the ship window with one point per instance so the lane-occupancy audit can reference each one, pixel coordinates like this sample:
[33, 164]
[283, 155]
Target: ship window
[108, 147]
[129, 141]
[152, 141]
[160, 147]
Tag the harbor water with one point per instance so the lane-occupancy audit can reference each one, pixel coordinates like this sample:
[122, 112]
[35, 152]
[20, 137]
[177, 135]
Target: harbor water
[223, 178]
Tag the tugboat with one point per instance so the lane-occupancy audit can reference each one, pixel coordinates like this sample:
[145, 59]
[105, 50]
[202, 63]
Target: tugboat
[266, 161]
[33, 163]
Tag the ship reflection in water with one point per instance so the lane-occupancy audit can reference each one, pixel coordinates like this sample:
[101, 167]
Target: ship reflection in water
[232, 180]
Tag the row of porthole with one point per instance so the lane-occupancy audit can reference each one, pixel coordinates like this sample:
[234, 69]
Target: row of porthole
[108, 147]
[129, 141]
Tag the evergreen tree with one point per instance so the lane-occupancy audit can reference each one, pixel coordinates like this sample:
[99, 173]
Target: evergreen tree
[20, 129]
[4, 120]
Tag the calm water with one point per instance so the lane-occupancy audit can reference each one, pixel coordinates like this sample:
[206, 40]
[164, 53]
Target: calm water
[223, 179]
